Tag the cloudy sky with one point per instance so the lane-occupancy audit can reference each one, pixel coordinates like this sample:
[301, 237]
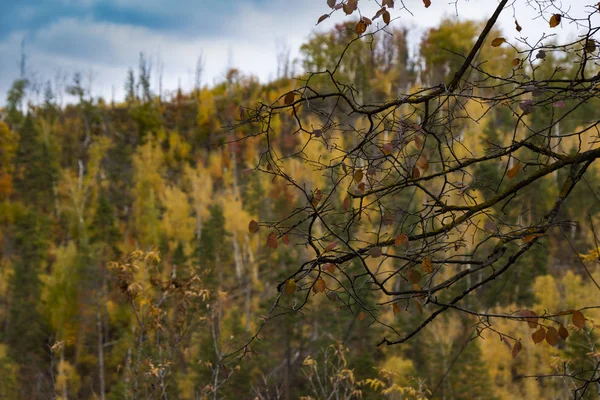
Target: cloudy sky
[102, 38]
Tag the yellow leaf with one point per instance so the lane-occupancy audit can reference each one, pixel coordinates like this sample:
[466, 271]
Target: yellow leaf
[319, 286]
[512, 172]
[426, 265]
[289, 287]
[498, 41]
[358, 176]
[529, 238]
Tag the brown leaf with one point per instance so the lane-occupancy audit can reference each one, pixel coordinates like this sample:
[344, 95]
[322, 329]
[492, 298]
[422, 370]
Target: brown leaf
[241, 110]
[416, 173]
[375, 252]
[367, 21]
[347, 203]
[396, 308]
[516, 62]
[427, 3]
[423, 163]
[289, 98]
[289, 287]
[426, 265]
[285, 239]
[578, 319]
[517, 26]
[387, 149]
[512, 172]
[272, 240]
[358, 176]
[386, 17]
[555, 20]
[414, 276]
[539, 335]
[563, 332]
[319, 286]
[360, 28]
[532, 318]
[552, 336]
[419, 306]
[390, 3]
[361, 316]
[331, 246]
[379, 12]
[516, 349]
[401, 240]
[322, 18]
[253, 226]
[498, 41]
[329, 268]
[331, 295]
[505, 340]
[419, 141]
[331, 3]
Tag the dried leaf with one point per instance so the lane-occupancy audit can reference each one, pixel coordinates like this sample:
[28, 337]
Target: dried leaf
[285, 239]
[512, 172]
[289, 98]
[331, 3]
[318, 195]
[272, 240]
[332, 296]
[517, 26]
[416, 173]
[532, 318]
[319, 286]
[289, 287]
[241, 110]
[555, 20]
[361, 316]
[563, 332]
[329, 268]
[552, 336]
[539, 335]
[423, 163]
[426, 265]
[427, 3]
[358, 175]
[419, 141]
[253, 226]
[386, 17]
[413, 276]
[419, 307]
[360, 28]
[379, 12]
[505, 340]
[322, 18]
[331, 246]
[541, 54]
[498, 41]
[516, 62]
[516, 349]
[387, 149]
[526, 106]
[346, 203]
[396, 308]
[578, 319]
[375, 252]
[401, 240]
